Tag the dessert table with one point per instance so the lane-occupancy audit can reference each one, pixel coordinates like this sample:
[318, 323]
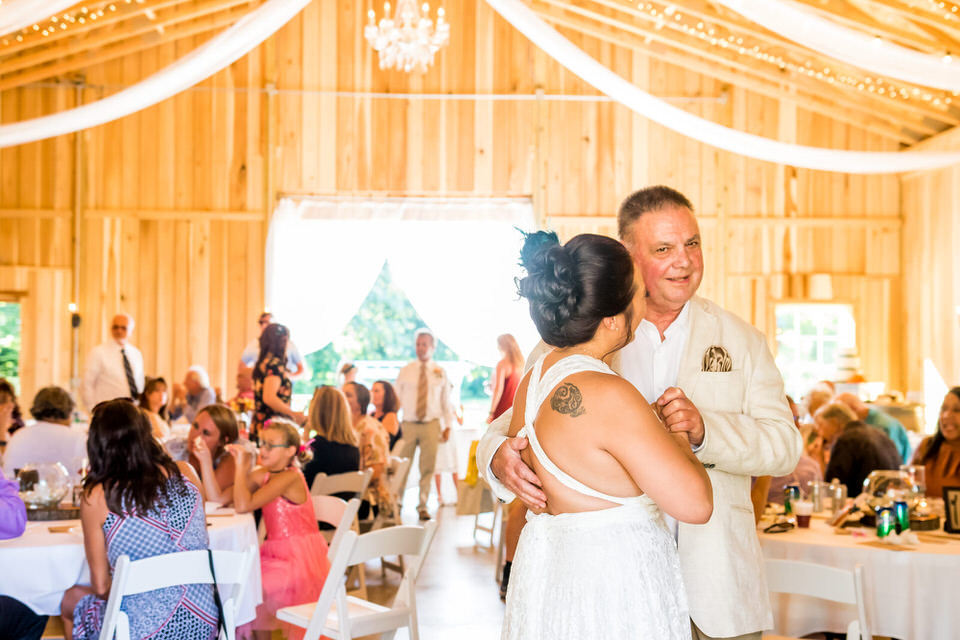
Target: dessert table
[910, 593]
[48, 558]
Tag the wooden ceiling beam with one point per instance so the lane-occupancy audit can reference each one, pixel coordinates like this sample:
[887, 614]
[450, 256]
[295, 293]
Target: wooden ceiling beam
[77, 30]
[846, 14]
[699, 8]
[918, 16]
[109, 38]
[110, 53]
[865, 120]
[841, 93]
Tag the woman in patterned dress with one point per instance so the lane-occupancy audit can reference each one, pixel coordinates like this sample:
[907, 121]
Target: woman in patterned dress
[272, 388]
[138, 502]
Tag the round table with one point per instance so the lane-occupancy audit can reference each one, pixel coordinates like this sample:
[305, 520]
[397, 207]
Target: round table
[48, 559]
[909, 594]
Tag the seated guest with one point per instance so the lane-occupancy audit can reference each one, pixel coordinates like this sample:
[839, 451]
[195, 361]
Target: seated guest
[293, 557]
[334, 447]
[17, 621]
[153, 401]
[213, 429]
[821, 394]
[385, 405]
[50, 438]
[10, 418]
[194, 394]
[149, 506]
[881, 420]
[829, 421]
[807, 470]
[243, 401]
[858, 450]
[940, 453]
[374, 450]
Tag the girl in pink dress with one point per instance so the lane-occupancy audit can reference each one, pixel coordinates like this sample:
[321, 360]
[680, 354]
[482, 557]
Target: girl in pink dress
[293, 558]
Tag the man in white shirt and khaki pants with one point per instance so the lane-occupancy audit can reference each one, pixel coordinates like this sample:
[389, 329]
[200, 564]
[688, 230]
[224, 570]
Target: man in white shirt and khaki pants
[423, 390]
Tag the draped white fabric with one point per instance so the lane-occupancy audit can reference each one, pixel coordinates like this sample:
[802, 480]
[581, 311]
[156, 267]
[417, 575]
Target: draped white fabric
[803, 26]
[455, 258]
[17, 14]
[606, 81]
[199, 64]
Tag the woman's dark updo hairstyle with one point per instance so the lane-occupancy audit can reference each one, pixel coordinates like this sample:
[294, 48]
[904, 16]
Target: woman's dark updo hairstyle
[127, 460]
[572, 287]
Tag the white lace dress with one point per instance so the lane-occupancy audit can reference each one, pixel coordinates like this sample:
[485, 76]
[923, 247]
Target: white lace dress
[611, 574]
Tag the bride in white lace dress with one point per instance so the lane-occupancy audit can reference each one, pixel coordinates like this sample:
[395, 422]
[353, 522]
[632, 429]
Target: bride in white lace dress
[598, 561]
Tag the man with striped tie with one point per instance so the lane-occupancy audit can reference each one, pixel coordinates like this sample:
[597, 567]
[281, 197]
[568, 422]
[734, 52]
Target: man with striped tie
[424, 393]
[114, 369]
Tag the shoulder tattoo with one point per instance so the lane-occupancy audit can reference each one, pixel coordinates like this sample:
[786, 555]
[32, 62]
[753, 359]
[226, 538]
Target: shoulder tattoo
[568, 399]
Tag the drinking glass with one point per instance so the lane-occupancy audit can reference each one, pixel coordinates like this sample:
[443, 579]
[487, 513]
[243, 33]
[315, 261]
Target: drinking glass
[917, 478]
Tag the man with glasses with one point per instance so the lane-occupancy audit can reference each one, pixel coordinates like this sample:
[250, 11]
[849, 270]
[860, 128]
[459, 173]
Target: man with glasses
[252, 351]
[114, 369]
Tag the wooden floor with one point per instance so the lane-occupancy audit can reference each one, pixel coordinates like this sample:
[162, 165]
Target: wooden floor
[457, 596]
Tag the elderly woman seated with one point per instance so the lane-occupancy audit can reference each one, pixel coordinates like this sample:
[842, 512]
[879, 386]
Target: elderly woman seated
[940, 453]
[193, 395]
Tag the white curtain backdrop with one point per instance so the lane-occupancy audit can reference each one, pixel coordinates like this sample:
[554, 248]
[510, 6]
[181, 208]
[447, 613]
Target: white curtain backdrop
[606, 81]
[201, 63]
[455, 258]
[798, 23]
[17, 14]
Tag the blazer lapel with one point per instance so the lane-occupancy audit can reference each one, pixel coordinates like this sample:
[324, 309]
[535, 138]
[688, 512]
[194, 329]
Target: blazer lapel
[704, 328]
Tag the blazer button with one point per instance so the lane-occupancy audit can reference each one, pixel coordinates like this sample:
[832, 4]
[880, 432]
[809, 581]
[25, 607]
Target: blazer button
[708, 465]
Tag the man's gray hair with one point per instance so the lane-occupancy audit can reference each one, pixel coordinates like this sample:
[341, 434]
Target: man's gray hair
[648, 199]
[423, 331]
[202, 376]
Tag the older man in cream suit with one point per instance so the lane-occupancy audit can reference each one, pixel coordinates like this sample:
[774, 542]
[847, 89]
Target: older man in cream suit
[712, 376]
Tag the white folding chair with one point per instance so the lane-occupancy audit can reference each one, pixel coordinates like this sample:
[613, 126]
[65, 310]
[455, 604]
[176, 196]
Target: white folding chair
[397, 470]
[343, 515]
[337, 615]
[131, 577]
[820, 581]
[355, 482]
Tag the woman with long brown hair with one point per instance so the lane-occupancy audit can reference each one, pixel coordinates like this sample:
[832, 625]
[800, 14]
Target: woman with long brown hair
[506, 376]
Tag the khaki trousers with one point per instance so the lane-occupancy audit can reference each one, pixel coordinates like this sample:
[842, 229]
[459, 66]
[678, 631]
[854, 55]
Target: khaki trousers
[427, 435]
[700, 635]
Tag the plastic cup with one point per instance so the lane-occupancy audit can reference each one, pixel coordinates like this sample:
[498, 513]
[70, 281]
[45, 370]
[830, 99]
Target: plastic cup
[803, 509]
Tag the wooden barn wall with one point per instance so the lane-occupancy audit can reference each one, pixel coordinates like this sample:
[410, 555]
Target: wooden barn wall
[931, 268]
[174, 201]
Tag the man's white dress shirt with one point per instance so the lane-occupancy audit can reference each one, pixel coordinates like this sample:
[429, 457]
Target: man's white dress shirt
[652, 365]
[439, 406]
[105, 378]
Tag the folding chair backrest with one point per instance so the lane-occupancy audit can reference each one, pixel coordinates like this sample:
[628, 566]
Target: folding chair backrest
[173, 569]
[351, 482]
[397, 474]
[821, 581]
[393, 541]
[333, 510]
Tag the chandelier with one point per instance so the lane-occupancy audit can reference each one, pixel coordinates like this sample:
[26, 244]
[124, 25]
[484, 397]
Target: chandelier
[409, 39]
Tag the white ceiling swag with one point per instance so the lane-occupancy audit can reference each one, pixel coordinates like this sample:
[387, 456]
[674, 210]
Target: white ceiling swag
[17, 14]
[606, 81]
[198, 65]
[853, 47]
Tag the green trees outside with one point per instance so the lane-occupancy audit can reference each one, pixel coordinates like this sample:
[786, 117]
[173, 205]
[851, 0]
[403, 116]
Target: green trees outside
[382, 329]
[10, 342]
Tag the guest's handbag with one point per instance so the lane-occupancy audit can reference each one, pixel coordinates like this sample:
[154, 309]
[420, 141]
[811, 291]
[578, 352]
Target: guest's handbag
[221, 625]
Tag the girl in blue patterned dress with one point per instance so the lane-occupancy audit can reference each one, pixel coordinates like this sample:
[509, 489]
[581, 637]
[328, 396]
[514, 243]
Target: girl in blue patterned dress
[138, 502]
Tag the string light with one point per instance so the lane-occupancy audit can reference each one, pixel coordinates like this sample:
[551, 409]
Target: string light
[68, 19]
[708, 34]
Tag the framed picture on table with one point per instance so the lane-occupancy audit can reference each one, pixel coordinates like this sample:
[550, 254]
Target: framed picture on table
[951, 509]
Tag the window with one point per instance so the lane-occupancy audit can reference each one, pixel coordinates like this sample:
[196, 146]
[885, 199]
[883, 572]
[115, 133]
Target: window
[809, 339]
[10, 342]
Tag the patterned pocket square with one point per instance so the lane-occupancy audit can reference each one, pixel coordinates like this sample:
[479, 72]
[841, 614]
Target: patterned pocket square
[717, 359]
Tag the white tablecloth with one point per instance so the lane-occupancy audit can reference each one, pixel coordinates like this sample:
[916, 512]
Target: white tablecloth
[39, 566]
[910, 595]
